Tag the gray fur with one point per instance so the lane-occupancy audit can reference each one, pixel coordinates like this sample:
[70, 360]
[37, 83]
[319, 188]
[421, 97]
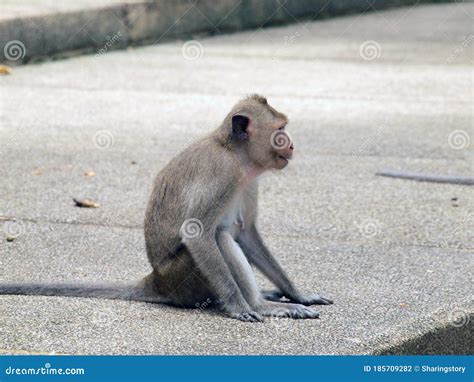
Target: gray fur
[212, 182]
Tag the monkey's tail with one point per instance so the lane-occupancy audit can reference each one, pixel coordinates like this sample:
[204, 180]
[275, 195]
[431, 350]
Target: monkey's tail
[131, 292]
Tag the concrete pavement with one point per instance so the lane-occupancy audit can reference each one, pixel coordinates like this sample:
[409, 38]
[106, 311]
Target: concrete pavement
[388, 89]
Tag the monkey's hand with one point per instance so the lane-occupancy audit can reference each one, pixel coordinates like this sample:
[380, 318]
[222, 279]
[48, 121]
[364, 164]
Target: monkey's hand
[312, 299]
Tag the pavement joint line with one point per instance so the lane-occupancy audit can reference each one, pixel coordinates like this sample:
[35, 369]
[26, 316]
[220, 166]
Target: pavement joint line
[281, 235]
[76, 223]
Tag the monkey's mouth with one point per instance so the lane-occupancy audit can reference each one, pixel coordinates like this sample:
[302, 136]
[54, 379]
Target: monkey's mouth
[284, 158]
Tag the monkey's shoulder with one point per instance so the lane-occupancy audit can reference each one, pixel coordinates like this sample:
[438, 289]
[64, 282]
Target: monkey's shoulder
[206, 160]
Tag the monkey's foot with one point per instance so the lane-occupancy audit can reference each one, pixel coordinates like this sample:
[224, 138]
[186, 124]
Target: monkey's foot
[280, 310]
[312, 299]
[309, 299]
[247, 316]
[272, 295]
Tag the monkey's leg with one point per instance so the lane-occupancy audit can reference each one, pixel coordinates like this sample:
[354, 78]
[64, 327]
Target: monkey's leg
[245, 278]
[211, 264]
[258, 254]
[240, 268]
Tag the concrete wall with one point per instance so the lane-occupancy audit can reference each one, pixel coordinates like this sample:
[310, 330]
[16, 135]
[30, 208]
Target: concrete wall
[23, 39]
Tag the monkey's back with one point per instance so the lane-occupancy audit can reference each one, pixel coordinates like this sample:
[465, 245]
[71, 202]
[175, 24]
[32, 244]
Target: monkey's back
[182, 190]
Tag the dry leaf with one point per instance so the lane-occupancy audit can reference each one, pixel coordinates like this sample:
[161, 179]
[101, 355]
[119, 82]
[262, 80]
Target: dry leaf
[403, 305]
[89, 174]
[86, 203]
[37, 172]
[5, 69]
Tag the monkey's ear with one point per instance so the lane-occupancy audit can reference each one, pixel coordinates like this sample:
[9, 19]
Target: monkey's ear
[240, 124]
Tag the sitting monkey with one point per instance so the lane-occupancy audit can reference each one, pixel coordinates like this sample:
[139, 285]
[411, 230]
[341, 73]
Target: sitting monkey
[200, 229]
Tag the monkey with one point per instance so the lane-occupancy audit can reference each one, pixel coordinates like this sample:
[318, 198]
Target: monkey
[200, 228]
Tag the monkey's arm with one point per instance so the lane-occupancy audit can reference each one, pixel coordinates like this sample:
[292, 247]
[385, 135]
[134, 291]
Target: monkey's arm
[259, 255]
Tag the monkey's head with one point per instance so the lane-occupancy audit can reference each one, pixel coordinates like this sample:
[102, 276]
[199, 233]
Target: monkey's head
[259, 131]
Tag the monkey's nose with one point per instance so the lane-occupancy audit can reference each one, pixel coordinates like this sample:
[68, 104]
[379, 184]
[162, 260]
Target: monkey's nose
[291, 146]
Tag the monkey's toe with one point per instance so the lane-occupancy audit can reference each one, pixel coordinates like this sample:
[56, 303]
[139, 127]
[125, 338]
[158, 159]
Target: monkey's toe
[286, 310]
[303, 312]
[272, 295]
[248, 317]
[315, 299]
[326, 301]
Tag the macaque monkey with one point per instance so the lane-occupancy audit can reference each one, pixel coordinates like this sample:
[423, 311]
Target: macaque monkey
[200, 226]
